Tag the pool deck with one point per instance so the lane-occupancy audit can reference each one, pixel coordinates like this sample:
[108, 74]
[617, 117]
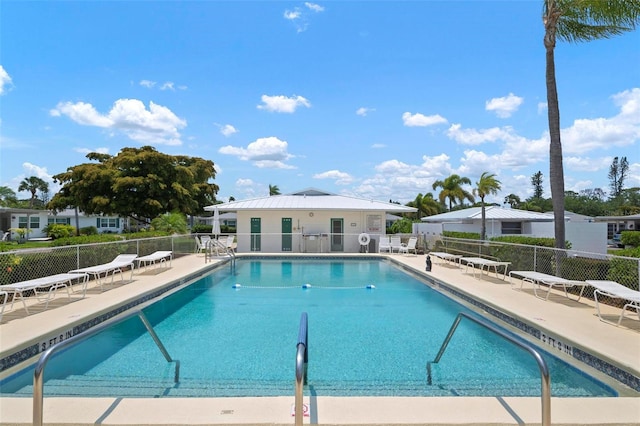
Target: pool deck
[575, 323]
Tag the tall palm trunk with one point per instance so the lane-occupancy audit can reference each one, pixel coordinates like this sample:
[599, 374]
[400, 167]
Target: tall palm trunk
[483, 232]
[556, 171]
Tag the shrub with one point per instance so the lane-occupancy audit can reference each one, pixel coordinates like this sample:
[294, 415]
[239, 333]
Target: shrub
[630, 238]
[59, 230]
[89, 230]
[201, 228]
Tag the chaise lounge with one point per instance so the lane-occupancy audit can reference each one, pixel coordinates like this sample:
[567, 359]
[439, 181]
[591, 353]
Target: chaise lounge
[616, 291]
[44, 289]
[117, 265]
[551, 281]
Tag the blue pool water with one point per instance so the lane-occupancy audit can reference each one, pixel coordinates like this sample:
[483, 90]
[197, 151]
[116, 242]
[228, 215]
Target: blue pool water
[242, 341]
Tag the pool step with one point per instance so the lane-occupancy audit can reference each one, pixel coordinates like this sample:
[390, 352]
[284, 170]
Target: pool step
[92, 386]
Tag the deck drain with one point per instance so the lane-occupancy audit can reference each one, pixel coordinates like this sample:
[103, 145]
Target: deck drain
[226, 412]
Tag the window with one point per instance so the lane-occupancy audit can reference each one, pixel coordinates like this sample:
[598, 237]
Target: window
[59, 220]
[106, 222]
[33, 222]
[510, 228]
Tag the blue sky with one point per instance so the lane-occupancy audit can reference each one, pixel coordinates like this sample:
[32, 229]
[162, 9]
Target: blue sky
[367, 98]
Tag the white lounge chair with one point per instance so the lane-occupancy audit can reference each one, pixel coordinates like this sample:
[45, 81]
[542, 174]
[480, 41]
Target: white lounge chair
[159, 256]
[537, 278]
[484, 263]
[385, 244]
[117, 265]
[617, 291]
[447, 257]
[410, 246]
[44, 289]
[396, 244]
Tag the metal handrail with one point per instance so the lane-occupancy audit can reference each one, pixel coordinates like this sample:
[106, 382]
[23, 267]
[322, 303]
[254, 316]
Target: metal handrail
[302, 358]
[545, 379]
[38, 374]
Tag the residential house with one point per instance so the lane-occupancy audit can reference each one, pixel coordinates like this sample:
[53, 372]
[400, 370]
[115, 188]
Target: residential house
[309, 221]
[582, 233]
[37, 220]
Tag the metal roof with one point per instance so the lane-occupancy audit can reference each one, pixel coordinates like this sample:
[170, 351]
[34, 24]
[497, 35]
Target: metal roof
[311, 199]
[491, 213]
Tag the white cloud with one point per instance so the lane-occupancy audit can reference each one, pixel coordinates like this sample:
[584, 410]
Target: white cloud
[228, 130]
[477, 137]
[157, 125]
[282, 103]
[341, 178]
[605, 133]
[421, 120]
[87, 150]
[168, 86]
[299, 16]
[292, 14]
[378, 146]
[314, 7]
[504, 106]
[268, 153]
[5, 80]
[147, 83]
[363, 111]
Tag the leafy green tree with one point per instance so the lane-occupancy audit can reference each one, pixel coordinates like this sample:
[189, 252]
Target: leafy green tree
[33, 184]
[536, 182]
[274, 190]
[7, 197]
[588, 202]
[426, 205]
[140, 183]
[572, 21]
[513, 200]
[617, 174]
[175, 223]
[452, 190]
[486, 185]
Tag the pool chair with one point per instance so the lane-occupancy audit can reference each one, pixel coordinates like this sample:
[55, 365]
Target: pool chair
[158, 258]
[551, 281]
[117, 265]
[203, 243]
[410, 246]
[385, 244]
[43, 289]
[615, 290]
[396, 244]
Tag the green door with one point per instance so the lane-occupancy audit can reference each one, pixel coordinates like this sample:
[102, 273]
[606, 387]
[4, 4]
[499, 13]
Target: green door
[255, 234]
[337, 234]
[287, 238]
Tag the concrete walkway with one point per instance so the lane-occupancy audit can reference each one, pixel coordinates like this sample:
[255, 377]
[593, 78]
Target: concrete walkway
[574, 323]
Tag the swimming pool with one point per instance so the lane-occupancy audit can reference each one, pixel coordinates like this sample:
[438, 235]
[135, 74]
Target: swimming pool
[362, 341]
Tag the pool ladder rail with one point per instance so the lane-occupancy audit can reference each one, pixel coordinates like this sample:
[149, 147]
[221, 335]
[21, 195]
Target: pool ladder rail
[38, 374]
[545, 380]
[302, 360]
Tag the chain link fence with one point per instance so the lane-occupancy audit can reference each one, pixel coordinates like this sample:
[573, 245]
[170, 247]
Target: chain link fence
[23, 265]
[28, 264]
[569, 264]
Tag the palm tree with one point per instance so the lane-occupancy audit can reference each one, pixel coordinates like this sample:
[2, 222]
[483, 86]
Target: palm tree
[452, 189]
[33, 184]
[572, 21]
[7, 196]
[426, 205]
[274, 190]
[486, 185]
